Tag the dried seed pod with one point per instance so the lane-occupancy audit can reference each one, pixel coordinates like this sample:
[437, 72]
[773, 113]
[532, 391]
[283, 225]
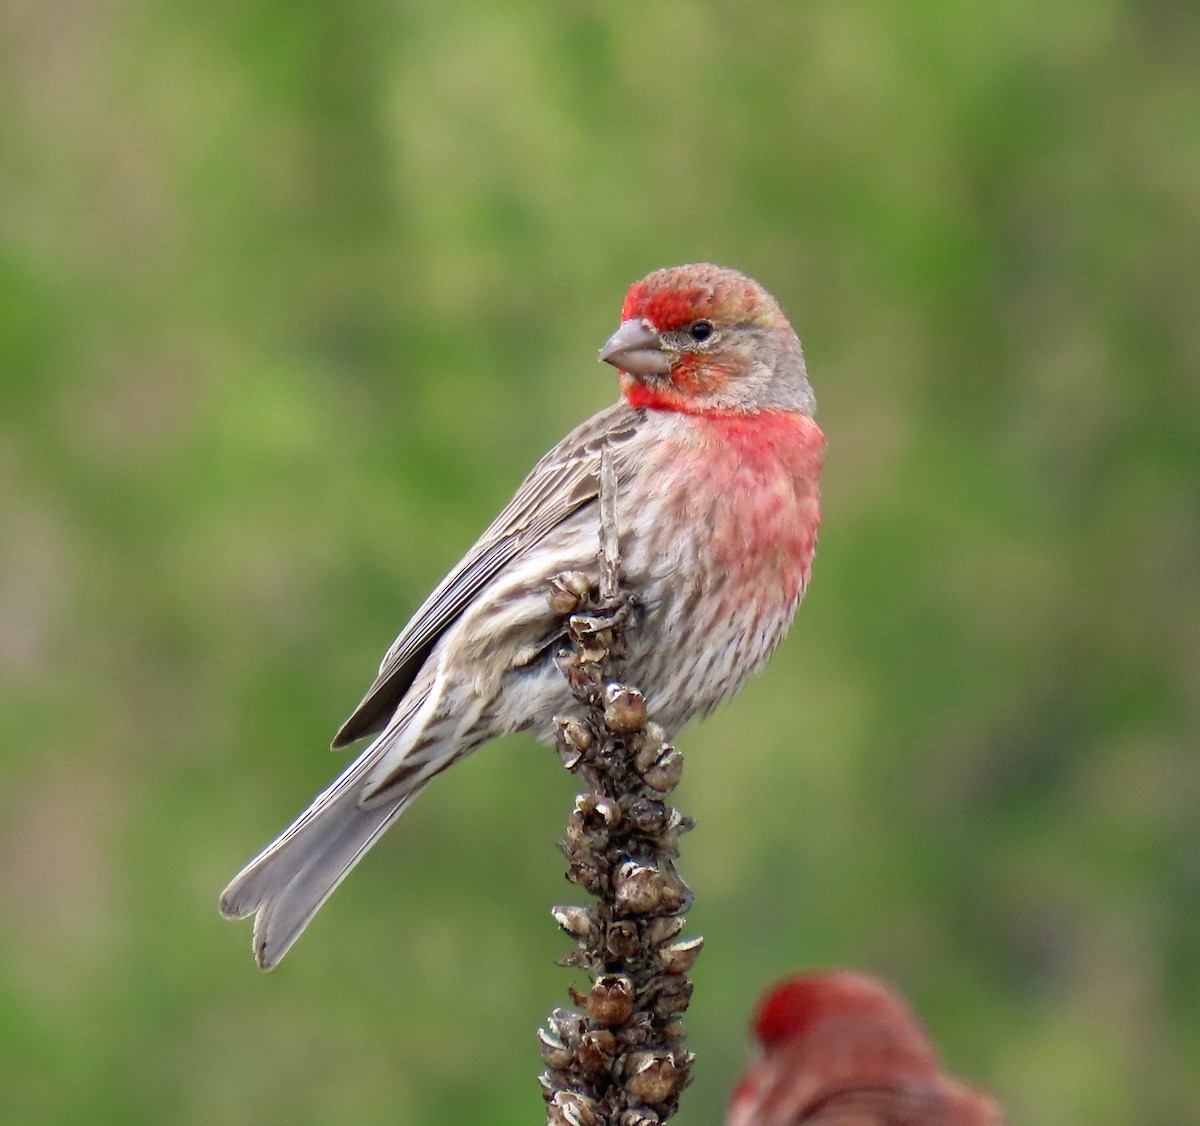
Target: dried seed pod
[589, 625]
[569, 1108]
[679, 957]
[610, 810]
[555, 1053]
[672, 900]
[624, 709]
[648, 753]
[567, 591]
[676, 895]
[575, 733]
[586, 831]
[607, 760]
[639, 888]
[578, 922]
[639, 1030]
[639, 1116]
[665, 773]
[666, 839]
[583, 674]
[610, 1001]
[597, 1049]
[673, 996]
[662, 930]
[566, 1024]
[621, 940]
[677, 823]
[598, 807]
[571, 758]
[648, 816]
[652, 1077]
[588, 872]
[593, 635]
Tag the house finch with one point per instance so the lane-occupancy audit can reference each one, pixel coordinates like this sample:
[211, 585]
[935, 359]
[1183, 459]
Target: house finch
[843, 1050]
[717, 461]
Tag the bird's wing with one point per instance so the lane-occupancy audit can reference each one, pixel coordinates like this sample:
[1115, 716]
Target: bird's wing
[563, 482]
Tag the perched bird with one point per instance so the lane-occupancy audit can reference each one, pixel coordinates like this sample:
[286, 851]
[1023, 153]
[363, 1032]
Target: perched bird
[717, 461]
[841, 1049]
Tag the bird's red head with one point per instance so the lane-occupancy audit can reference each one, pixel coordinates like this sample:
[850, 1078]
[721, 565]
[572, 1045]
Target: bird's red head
[674, 298]
[706, 339]
[796, 1006]
[842, 1046]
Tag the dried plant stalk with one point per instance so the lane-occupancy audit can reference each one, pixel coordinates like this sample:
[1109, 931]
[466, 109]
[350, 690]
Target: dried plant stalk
[619, 1058]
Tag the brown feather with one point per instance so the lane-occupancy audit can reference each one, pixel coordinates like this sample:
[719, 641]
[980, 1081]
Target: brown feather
[563, 482]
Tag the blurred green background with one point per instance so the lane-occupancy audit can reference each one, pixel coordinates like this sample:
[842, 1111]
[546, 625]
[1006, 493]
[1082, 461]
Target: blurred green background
[291, 297]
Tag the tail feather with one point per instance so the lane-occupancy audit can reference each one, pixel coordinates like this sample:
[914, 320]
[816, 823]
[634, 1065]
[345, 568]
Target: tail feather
[289, 896]
[286, 884]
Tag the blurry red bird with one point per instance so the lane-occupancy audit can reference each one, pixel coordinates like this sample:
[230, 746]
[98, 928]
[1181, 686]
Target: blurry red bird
[841, 1049]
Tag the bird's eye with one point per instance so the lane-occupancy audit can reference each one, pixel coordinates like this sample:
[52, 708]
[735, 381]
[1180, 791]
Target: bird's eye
[700, 330]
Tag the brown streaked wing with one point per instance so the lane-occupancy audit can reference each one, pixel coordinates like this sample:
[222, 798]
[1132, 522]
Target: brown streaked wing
[564, 481]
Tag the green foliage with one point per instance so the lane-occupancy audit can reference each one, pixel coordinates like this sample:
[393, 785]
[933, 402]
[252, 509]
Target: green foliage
[291, 296]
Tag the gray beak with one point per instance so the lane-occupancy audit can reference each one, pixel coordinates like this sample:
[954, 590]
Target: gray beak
[637, 348]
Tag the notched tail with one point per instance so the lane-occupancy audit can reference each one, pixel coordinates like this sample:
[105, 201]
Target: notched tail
[287, 883]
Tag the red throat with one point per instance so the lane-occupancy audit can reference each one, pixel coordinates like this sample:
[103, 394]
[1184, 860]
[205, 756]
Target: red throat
[758, 493]
[679, 393]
